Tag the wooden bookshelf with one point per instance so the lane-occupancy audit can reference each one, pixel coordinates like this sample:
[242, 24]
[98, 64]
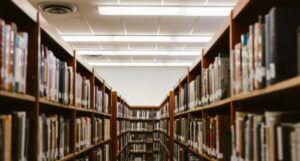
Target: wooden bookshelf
[40, 32]
[280, 96]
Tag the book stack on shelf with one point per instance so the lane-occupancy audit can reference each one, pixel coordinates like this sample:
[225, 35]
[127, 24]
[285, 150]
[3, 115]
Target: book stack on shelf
[123, 114]
[54, 135]
[56, 83]
[215, 80]
[83, 131]
[141, 144]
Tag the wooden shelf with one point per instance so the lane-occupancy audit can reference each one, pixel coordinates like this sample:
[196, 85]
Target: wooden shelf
[55, 104]
[141, 131]
[67, 157]
[123, 133]
[102, 114]
[9, 96]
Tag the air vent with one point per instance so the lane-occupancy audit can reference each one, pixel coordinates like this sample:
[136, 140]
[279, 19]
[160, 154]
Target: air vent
[57, 7]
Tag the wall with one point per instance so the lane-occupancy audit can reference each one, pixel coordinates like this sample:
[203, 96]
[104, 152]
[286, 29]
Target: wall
[142, 85]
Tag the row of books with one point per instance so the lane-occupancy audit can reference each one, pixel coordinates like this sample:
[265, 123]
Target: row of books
[162, 125]
[123, 126]
[180, 153]
[84, 131]
[141, 137]
[123, 110]
[143, 114]
[98, 130]
[123, 141]
[156, 146]
[13, 58]
[267, 54]
[82, 91]
[163, 111]
[216, 137]
[181, 98]
[54, 137]
[99, 98]
[181, 127]
[14, 136]
[99, 154]
[195, 98]
[140, 126]
[271, 136]
[194, 157]
[215, 80]
[56, 83]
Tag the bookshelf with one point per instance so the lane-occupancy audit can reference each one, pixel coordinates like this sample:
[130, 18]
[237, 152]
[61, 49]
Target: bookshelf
[128, 139]
[277, 98]
[43, 110]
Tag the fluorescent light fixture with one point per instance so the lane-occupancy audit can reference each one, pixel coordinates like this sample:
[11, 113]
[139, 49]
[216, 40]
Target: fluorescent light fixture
[95, 64]
[134, 10]
[133, 38]
[140, 52]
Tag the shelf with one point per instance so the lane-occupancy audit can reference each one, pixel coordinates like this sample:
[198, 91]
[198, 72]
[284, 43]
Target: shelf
[142, 152]
[123, 133]
[80, 109]
[8, 96]
[181, 143]
[91, 147]
[284, 89]
[141, 131]
[55, 104]
[217, 104]
[122, 150]
[67, 157]
[142, 119]
[140, 142]
[164, 146]
[102, 114]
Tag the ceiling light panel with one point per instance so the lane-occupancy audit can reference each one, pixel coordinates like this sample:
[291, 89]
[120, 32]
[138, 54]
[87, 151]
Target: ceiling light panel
[139, 10]
[140, 52]
[137, 38]
[95, 64]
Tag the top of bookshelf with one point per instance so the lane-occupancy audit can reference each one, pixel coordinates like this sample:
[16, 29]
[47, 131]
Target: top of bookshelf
[53, 34]
[216, 42]
[27, 8]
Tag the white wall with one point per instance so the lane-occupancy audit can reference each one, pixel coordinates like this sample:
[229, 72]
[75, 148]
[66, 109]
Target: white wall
[146, 86]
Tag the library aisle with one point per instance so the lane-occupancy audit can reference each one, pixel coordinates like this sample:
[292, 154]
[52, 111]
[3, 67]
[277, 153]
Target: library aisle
[238, 99]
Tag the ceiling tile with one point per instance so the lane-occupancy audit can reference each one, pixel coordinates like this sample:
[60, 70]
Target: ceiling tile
[208, 25]
[184, 2]
[141, 25]
[221, 2]
[175, 25]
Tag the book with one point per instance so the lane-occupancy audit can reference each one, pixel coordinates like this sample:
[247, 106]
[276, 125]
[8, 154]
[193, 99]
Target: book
[13, 58]
[282, 39]
[107, 129]
[54, 137]
[98, 101]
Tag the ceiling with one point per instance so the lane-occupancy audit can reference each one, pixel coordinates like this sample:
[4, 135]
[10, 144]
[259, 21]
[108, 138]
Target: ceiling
[87, 21]
[157, 79]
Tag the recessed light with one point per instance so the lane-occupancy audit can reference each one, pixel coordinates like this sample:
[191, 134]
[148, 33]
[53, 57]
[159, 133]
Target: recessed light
[95, 64]
[135, 10]
[138, 38]
[139, 52]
